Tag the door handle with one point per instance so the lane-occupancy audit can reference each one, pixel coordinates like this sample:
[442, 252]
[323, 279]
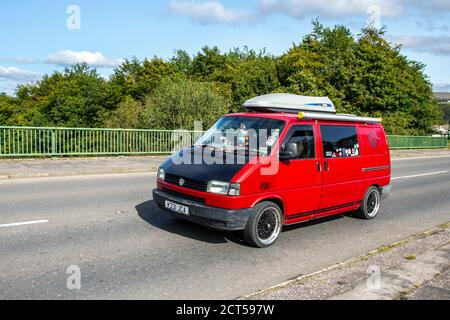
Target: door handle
[326, 166]
[319, 166]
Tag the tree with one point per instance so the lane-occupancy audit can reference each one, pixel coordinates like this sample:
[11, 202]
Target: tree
[179, 101]
[364, 75]
[8, 110]
[249, 74]
[127, 115]
[181, 62]
[208, 64]
[138, 79]
[74, 98]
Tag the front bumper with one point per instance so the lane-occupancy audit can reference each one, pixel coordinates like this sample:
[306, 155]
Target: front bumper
[213, 217]
[386, 192]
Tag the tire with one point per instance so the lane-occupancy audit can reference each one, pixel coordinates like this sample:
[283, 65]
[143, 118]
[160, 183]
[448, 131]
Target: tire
[264, 225]
[371, 204]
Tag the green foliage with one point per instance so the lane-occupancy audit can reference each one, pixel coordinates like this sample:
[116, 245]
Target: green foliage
[362, 74]
[180, 101]
[126, 116]
[74, 98]
[250, 74]
[138, 79]
[8, 110]
[445, 108]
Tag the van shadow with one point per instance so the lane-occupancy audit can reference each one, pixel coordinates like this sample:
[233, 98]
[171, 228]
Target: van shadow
[153, 215]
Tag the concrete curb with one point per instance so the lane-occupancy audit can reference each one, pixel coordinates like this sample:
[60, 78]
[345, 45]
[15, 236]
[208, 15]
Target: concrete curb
[404, 279]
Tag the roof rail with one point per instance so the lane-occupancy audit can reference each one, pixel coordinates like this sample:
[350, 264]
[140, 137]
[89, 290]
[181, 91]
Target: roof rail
[336, 117]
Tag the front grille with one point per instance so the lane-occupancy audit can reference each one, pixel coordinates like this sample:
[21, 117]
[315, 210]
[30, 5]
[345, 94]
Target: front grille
[189, 183]
[184, 196]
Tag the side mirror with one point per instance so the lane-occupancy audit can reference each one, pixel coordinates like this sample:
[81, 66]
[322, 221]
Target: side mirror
[285, 155]
[290, 152]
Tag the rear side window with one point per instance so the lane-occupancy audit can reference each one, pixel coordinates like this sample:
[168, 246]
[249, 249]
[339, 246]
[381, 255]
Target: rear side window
[303, 136]
[339, 141]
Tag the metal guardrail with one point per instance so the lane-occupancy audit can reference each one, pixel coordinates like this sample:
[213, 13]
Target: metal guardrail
[38, 141]
[417, 142]
[50, 142]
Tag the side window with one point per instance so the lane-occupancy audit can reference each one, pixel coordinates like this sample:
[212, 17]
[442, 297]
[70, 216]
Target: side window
[339, 141]
[303, 137]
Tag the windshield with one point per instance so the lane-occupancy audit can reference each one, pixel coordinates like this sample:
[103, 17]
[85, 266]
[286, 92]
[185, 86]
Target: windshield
[247, 134]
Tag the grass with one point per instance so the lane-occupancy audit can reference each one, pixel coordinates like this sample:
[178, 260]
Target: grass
[403, 294]
[387, 248]
[410, 257]
[445, 225]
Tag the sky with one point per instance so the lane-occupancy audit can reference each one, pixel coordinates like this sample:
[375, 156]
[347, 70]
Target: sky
[38, 37]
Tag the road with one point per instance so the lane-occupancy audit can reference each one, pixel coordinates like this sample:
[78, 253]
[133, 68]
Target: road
[126, 248]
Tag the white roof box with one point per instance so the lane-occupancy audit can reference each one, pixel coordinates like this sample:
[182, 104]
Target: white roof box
[290, 103]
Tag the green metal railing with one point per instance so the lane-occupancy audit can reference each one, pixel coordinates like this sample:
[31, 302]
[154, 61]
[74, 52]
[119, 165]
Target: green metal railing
[37, 141]
[417, 142]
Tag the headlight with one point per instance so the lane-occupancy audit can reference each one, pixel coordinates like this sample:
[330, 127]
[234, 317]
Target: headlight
[222, 187]
[161, 175]
[219, 187]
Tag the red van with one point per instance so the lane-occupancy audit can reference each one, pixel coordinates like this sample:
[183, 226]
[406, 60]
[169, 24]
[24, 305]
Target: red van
[288, 160]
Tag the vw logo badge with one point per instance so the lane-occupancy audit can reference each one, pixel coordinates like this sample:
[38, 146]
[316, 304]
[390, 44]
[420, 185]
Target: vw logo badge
[181, 182]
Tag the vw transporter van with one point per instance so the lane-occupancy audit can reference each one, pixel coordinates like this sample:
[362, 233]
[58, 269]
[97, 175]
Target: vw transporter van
[289, 159]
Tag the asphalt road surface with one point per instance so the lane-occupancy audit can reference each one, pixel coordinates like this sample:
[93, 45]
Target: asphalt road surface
[126, 248]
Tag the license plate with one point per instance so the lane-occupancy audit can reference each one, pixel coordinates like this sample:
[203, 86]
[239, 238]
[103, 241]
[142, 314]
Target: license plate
[177, 207]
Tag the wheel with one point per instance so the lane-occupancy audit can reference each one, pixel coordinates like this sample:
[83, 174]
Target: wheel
[264, 225]
[371, 204]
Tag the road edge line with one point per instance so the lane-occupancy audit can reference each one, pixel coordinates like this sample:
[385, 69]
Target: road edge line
[419, 157]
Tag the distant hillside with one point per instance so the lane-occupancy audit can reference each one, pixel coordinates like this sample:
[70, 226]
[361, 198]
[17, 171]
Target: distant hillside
[442, 96]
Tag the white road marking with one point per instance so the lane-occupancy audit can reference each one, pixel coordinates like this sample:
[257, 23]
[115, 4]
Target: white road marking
[420, 175]
[22, 223]
[420, 158]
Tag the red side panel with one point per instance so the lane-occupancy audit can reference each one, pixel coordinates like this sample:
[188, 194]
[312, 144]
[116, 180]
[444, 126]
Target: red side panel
[376, 167]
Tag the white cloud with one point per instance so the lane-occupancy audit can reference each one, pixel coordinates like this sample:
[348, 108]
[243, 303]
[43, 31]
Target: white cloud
[330, 9]
[13, 73]
[436, 45]
[349, 8]
[213, 11]
[69, 57]
[209, 12]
